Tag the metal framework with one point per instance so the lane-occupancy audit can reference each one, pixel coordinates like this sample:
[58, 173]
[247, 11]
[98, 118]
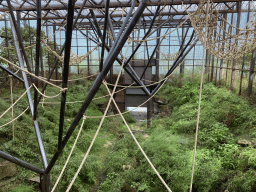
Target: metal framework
[98, 17]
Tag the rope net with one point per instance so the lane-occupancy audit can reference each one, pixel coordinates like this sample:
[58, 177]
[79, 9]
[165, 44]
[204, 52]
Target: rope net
[74, 59]
[224, 41]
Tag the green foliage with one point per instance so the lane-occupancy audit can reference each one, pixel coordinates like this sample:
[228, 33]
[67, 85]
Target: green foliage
[23, 188]
[220, 163]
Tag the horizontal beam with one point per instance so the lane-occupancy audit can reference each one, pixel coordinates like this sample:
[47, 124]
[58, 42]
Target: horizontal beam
[118, 15]
[101, 6]
[20, 162]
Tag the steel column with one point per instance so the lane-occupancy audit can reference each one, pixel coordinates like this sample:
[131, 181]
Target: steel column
[65, 73]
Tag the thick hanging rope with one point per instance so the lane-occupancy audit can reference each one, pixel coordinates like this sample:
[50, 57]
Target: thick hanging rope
[69, 156]
[152, 166]
[74, 59]
[33, 75]
[222, 43]
[70, 80]
[101, 122]
[46, 96]
[15, 102]
[15, 118]
[199, 102]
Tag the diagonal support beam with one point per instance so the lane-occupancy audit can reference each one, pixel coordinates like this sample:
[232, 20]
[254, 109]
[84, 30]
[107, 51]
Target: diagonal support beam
[20, 162]
[18, 35]
[38, 46]
[176, 63]
[127, 66]
[111, 57]
[104, 34]
[11, 73]
[30, 100]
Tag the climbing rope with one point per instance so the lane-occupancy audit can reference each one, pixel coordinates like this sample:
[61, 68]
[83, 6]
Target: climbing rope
[15, 102]
[220, 42]
[15, 118]
[11, 87]
[33, 75]
[199, 102]
[49, 97]
[74, 59]
[129, 129]
[69, 156]
[101, 122]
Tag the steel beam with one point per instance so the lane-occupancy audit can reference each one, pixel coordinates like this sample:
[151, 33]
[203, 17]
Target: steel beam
[104, 34]
[145, 36]
[18, 34]
[65, 72]
[111, 57]
[61, 51]
[251, 75]
[38, 39]
[11, 73]
[176, 63]
[17, 161]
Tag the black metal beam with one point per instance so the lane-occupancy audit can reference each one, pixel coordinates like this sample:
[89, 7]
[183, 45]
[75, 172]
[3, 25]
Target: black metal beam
[111, 57]
[152, 55]
[11, 73]
[104, 35]
[145, 36]
[71, 4]
[61, 51]
[127, 68]
[38, 39]
[17, 161]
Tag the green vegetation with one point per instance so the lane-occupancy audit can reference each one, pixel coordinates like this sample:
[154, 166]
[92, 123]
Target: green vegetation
[115, 162]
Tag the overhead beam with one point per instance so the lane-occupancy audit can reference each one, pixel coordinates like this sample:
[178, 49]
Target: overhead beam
[111, 5]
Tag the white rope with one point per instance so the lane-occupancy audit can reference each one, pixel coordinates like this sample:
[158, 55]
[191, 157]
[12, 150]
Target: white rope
[70, 80]
[73, 147]
[49, 97]
[199, 105]
[31, 74]
[152, 166]
[15, 102]
[15, 118]
[100, 125]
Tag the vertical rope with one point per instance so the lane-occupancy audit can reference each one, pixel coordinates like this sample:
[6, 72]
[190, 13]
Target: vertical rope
[73, 147]
[199, 104]
[130, 131]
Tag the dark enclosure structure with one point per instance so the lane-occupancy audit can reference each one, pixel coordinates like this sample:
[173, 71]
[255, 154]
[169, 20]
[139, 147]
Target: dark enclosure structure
[140, 43]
